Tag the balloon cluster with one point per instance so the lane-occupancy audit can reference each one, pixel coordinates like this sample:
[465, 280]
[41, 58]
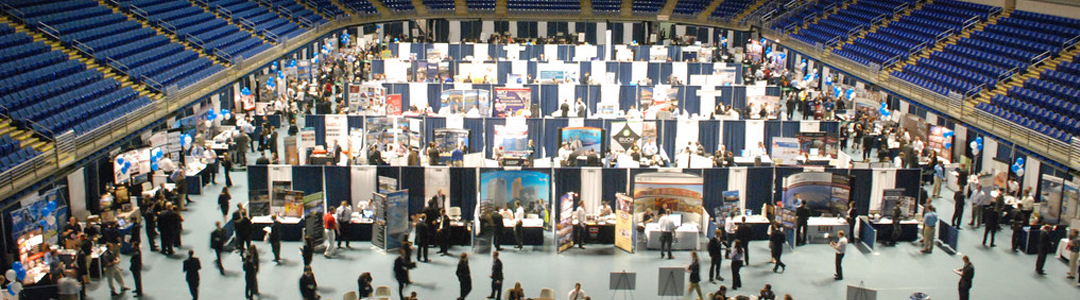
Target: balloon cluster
[850, 94]
[16, 275]
[291, 64]
[124, 165]
[155, 155]
[976, 145]
[245, 91]
[185, 140]
[1018, 167]
[836, 90]
[948, 139]
[345, 38]
[274, 65]
[211, 115]
[225, 113]
[270, 83]
[884, 110]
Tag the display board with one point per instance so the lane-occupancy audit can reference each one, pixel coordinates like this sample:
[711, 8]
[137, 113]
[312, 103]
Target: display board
[464, 101]
[770, 103]
[393, 104]
[624, 222]
[512, 102]
[679, 192]
[378, 225]
[387, 184]
[397, 218]
[294, 203]
[363, 96]
[786, 150]
[503, 187]
[654, 99]
[895, 197]
[314, 204]
[399, 131]
[583, 138]
[564, 230]
[1051, 194]
[818, 143]
[626, 134]
[513, 139]
[258, 203]
[447, 139]
[940, 139]
[47, 212]
[820, 191]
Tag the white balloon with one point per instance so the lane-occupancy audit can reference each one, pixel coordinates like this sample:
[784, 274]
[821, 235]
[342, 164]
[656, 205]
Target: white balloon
[975, 151]
[1020, 172]
[51, 220]
[10, 275]
[16, 287]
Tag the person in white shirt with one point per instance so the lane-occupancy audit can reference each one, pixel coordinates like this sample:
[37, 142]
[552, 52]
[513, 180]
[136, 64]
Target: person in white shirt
[564, 154]
[166, 165]
[760, 150]
[605, 210]
[576, 293]
[898, 162]
[634, 114]
[506, 213]
[667, 233]
[649, 148]
[519, 212]
[68, 287]
[344, 218]
[209, 156]
[841, 247]
[579, 229]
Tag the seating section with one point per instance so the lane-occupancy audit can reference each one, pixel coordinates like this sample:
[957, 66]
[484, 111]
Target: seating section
[399, 5]
[114, 40]
[296, 11]
[1049, 104]
[838, 26]
[256, 18]
[543, 5]
[798, 19]
[440, 4]
[690, 7]
[195, 25]
[731, 8]
[648, 6]
[45, 90]
[996, 52]
[599, 6]
[481, 5]
[12, 154]
[327, 7]
[909, 34]
[771, 9]
[365, 7]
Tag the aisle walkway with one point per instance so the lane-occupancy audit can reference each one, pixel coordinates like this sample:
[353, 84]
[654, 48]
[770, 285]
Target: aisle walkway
[896, 272]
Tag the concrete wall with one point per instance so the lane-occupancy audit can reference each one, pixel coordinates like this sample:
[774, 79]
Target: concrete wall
[1069, 11]
[998, 3]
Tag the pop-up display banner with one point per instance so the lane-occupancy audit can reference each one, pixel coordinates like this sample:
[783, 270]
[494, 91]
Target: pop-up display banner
[624, 222]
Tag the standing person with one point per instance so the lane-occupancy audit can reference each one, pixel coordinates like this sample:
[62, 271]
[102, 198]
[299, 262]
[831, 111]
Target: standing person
[167, 220]
[744, 234]
[136, 267]
[227, 164]
[776, 244]
[519, 234]
[496, 276]
[308, 250]
[223, 201]
[992, 216]
[363, 285]
[401, 272]
[111, 261]
[897, 230]
[1042, 249]
[251, 270]
[308, 285]
[695, 274]
[1074, 251]
[444, 232]
[344, 223]
[576, 293]
[939, 177]
[217, 242]
[432, 154]
[464, 277]
[191, 268]
[330, 229]
[958, 206]
[967, 274]
[242, 224]
[68, 287]
[979, 198]
[497, 230]
[802, 214]
[667, 233]
[422, 239]
[852, 217]
[275, 238]
[930, 221]
[737, 258]
[716, 256]
[149, 213]
[841, 247]
[580, 230]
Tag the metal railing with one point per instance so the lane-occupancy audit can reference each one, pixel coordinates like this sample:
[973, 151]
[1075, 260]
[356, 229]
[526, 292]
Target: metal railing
[139, 12]
[285, 11]
[14, 12]
[118, 65]
[305, 22]
[194, 40]
[85, 49]
[223, 55]
[246, 23]
[152, 84]
[49, 30]
[168, 27]
[202, 2]
[271, 36]
[223, 11]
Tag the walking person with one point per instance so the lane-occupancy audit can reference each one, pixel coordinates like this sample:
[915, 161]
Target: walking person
[330, 231]
[464, 276]
[251, 270]
[136, 267]
[744, 234]
[217, 242]
[930, 221]
[308, 250]
[497, 230]
[308, 286]
[223, 201]
[737, 259]
[496, 276]
[716, 256]
[1017, 224]
[110, 259]
[227, 164]
[992, 217]
[967, 274]
[422, 239]
[841, 247]
[191, 268]
[667, 233]
[344, 223]
[401, 272]
[695, 275]
[275, 238]
[776, 244]
[802, 217]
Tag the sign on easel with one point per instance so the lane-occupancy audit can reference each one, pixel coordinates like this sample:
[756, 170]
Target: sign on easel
[671, 281]
[623, 281]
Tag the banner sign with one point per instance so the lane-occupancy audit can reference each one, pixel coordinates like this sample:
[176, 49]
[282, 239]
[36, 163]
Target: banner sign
[512, 102]
[513, 139]
[464, 101]
[786, 150]
[378, 226]
[397, 218]
[47, 212]
[393, 104]
[820, 191]
[565, 228]
[624, 222]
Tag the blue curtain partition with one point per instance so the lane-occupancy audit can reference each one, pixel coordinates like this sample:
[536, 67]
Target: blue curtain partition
[709, 134]
[489, 139]
[336, 180]
[669, 129]
[759, 188]
[735, 136]
[566, 180]
[715, 183]
[614, 181]
[257, 178]
[463, 190]
[910, 181]
[550, 144]
[308, 179]
[412, 179]
[476, 133]
[861, 183]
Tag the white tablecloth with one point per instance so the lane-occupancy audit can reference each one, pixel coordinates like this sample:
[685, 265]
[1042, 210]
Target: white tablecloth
[819, 226]
[686, 237]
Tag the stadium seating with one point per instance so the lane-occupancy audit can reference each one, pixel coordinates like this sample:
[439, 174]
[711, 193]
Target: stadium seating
[193, 24]
[256, 18]
[439, 4]
[838, 26]
[327, 8]
[648, 6]
[798, 19]
[12, 153]
[365, 7]
[543, 5]
[690, 7]
[296, 11]
[601, 6]
[731, 8]
[481, 5]
[399, 5]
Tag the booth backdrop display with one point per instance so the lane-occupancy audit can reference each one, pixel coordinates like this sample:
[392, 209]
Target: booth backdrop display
[511, 102]
[397, 218]
[446, 139]
[624, 222]
[461, 101]
[513, 139]
[785, 150]
[565, 229]
[506, 187]
[825, 192]
[584, 138]
[47, 211]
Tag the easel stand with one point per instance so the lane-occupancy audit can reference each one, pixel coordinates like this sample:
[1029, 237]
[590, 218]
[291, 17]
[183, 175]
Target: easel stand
[624, 284]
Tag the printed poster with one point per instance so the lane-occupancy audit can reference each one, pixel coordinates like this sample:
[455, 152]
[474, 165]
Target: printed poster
[565, 228]
[786, 150]
[624, 222]
[397, 218]
[512, 102]
[513, 139]
[393, 104]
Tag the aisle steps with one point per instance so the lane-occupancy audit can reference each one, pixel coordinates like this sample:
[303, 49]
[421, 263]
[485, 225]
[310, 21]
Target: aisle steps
[709, 10]
[161, 32]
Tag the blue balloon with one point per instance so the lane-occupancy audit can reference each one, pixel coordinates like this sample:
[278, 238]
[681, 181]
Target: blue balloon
[52, 205]
[1019, 161]
[948, 145]
[127, 164]
[120, 160]
[153, 166]
[948, 134]
[292, 63]
[245, 91]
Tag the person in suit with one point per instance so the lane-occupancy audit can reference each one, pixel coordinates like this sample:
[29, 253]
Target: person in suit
[992, 217]
[695, 275]
[896, 229]
[1017, 225]
[802, 216]
[464, 277]
[519, 234]
[497, 230]
[958, 206]
[363, 284]
[496, 276]
[422, 239]
[967, 274]
[852, 216]
[737, 257]
[1042, 248]
[444, 233]
[716, 255]
[744, 234]
[308, 250]
[776, 245]
[275, 238]
[191, 268]
[251, 270]
[401, 272]
[242, 226]
[308, 285]
[136, 267]
[217, 242]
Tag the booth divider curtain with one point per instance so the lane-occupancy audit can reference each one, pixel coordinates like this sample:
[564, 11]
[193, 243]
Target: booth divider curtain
[550, 144]
[667, 138]
[411, 179]
[709, 135]
[363, 180]
[565, 180]
[627, 97]
[489, 139]
[910, 180]
[476, 133]
[319, 124]
[715, 183]
[335, 179]
[257, 178]
[308, 179]
[862, 182]
[735, 136]
[737, 178]
[463, 191]
[758, 187]
[615, 181]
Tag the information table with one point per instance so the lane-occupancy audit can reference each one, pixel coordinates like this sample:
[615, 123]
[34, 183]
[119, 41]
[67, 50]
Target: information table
[532, 232]
[909, 230]
[759, 225]
[687, 237]
[818, 227]
[292, 228]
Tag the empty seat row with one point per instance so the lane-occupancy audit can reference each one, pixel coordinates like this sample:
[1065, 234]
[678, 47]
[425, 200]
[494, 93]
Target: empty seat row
[1026, 122]
[365, 7]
